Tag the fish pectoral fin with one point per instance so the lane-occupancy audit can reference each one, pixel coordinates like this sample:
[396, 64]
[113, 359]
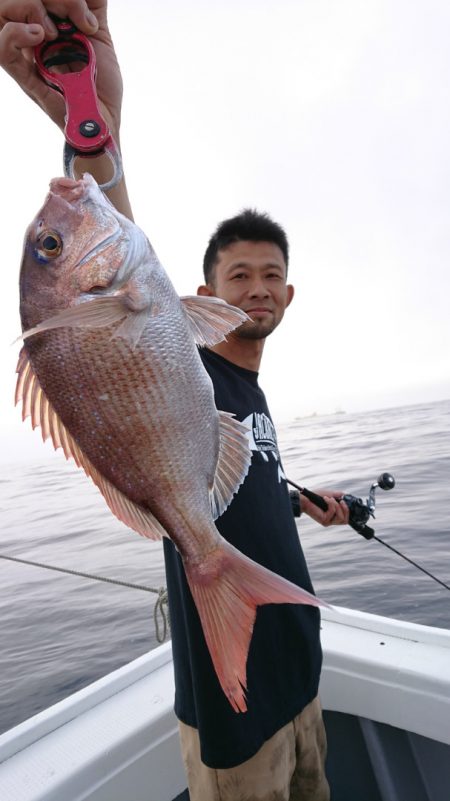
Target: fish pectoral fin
[36, 404]
[211, 319]
[97, 313]
[233, 462]
[132, 327]
[226, 597]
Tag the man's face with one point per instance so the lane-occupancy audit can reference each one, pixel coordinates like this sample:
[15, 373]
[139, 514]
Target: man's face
[252, 276]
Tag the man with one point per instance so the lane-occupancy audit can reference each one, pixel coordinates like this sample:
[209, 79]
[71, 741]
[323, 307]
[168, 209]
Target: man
[276, 749]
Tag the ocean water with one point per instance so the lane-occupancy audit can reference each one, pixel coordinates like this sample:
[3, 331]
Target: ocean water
[60, 632]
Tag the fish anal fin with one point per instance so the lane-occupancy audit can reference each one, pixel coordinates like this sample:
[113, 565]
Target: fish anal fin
[36, 404]
[131, 514]
[233, 462]
[211, 318]
[227, 589]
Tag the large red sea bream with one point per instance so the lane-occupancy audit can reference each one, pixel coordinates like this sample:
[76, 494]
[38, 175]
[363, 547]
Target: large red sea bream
[111, 373]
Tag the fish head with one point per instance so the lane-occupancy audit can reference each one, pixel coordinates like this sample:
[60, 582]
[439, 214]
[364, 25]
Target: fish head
[77, 247]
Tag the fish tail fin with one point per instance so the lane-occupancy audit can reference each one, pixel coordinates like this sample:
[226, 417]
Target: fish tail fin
[227, 589]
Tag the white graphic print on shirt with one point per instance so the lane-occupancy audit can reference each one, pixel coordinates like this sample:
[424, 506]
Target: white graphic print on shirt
[263, 439]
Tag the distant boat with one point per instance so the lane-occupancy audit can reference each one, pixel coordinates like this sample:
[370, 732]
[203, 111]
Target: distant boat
[320, 414]
[385, 691]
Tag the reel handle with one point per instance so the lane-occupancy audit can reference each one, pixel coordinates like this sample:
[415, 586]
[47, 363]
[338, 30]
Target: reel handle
[386, 481]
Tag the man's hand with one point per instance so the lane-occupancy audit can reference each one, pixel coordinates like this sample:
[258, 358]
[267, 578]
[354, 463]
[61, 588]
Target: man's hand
[25, 24]
[337, 513]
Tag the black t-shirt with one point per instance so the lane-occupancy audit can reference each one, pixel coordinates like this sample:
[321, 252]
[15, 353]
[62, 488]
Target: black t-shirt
[285, 656]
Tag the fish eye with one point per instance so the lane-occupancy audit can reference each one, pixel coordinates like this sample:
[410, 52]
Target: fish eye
[49, 245]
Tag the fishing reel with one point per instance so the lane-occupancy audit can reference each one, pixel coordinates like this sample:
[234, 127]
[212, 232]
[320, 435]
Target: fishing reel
[360, 512]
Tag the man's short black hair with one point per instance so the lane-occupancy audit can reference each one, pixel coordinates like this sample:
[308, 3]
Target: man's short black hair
[248, 226]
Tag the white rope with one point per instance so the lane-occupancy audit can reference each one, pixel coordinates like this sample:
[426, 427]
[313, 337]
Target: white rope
[160, 611]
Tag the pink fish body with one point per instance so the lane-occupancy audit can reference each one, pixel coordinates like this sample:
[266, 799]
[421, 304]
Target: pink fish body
[110, 371]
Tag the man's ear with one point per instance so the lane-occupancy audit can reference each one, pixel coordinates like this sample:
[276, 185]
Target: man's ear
[290, 291]
[205, 289]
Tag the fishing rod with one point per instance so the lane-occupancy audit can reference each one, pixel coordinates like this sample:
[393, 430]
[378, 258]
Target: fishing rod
[360, 513]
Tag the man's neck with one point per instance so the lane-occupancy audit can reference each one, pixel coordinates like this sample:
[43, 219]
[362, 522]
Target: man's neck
[245, 353]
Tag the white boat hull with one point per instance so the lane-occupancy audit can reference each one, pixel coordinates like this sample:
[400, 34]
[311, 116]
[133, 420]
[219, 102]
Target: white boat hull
[117, 740]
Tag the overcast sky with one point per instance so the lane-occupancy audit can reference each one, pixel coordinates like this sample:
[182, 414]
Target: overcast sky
[331, 115]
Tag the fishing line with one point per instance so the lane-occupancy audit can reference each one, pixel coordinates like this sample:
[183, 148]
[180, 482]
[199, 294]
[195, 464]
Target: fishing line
[360, 513]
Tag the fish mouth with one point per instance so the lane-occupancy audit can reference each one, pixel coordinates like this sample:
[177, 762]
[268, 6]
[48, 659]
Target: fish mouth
[68, 189]
[71, 189]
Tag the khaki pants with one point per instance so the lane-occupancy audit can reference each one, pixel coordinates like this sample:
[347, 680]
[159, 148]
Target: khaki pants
[288, 767]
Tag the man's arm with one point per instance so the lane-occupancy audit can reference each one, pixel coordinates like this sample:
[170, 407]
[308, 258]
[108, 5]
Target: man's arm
[25, 24]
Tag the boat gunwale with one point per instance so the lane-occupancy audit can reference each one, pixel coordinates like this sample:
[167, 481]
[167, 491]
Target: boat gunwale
[352, 680]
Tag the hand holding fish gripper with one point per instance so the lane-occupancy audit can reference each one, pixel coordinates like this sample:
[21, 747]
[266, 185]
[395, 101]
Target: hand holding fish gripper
[360, 513]
[86, 132]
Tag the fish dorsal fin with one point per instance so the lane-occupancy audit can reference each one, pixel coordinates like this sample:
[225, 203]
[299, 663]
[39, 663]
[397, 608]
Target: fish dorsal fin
[233, 463]
[211, 319]
[36, 404]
